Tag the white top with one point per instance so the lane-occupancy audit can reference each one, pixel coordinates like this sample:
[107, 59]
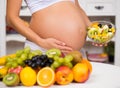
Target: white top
[35, 5]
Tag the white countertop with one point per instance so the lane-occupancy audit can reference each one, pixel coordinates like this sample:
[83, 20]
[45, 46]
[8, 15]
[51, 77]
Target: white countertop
[103, 76]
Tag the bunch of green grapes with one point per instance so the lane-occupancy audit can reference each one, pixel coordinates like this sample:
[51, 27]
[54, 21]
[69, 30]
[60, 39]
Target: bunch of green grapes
[21, 56]
[60, 61]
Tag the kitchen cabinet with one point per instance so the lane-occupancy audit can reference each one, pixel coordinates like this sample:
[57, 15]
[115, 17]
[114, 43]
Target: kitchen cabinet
[93, 8]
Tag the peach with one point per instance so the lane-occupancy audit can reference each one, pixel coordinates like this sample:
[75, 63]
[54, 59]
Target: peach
[63, 75]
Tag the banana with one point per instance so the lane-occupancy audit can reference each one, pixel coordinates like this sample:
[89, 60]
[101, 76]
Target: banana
[3, 71]
[3, 59]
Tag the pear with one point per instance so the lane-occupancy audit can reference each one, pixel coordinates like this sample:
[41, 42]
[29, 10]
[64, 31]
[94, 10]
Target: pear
[77, 56]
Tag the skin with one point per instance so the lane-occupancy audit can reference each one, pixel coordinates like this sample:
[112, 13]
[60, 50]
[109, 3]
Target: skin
[61, 25]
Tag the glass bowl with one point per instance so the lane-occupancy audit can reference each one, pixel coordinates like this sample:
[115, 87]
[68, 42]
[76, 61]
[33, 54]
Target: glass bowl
[101, 32]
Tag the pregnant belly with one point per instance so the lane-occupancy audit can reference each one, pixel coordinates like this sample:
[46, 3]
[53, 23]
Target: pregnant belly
[63, 22]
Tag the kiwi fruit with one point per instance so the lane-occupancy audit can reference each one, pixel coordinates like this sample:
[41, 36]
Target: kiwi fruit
[11, 79]
[53, 52]
[77, 56]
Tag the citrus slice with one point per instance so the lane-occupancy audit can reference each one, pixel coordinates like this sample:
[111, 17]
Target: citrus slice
[46, 77]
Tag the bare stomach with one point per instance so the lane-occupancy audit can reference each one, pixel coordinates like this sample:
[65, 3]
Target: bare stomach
[61, 21]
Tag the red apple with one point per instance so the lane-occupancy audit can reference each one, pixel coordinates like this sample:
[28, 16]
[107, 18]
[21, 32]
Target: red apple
[63, 75]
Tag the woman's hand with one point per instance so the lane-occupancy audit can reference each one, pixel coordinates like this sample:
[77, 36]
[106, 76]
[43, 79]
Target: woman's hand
[54, 43]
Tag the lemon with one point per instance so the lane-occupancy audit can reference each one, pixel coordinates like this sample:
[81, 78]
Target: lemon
[28, 76]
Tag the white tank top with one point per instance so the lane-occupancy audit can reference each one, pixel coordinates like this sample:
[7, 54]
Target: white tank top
[35, 5]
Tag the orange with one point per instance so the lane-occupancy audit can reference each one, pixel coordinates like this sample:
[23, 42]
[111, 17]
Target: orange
[80, 72]
[88, 64]
[46, 77]
[28, 76]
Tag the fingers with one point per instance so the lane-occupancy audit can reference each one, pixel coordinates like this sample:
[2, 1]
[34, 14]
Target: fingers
[65, 52]
[63, 47]
[60, 43]
[51, 42]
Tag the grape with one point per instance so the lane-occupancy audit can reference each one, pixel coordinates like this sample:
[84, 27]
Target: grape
[14, 64]
[56, 64]
[34, 65]
[66, 60]
[9, 59]
[23, 64]
[61, 60]
[43, 57]
[52, 66]
[58, 61]
[34, 58]
[46, 60]
[68, 64]
[27, 61]
[69, 58]
[15, 59]
[38, 62]
[50, 61]
[23, 56]
[42, 64]
[19, 53]
[30, 55]
[47, 64]
[27, 50]
[9, 64]
[20, 61]
[36, 52]
[56, 58]
[30, 63]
